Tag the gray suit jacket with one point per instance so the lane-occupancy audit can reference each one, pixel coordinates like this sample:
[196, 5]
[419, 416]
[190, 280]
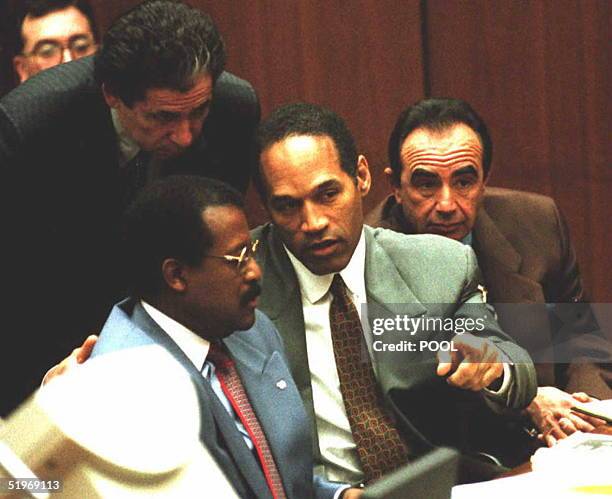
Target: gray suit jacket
[258, 354]
[425, 275]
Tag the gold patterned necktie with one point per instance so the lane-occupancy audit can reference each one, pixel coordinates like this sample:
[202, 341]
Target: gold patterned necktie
[380, 447]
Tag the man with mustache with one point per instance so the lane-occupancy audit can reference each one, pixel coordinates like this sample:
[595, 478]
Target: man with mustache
[440, 155]
[78, 140]
[194, 286]
[318, 257]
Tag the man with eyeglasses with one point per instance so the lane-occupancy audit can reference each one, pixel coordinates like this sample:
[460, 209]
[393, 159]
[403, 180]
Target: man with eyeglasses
[52, 32]
[194, 288]
[78, 140]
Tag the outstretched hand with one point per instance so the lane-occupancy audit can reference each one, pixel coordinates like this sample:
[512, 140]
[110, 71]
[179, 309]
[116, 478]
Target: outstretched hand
[475, 364]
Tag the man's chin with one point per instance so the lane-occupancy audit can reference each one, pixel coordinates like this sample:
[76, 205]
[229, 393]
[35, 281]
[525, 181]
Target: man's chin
[323, 266]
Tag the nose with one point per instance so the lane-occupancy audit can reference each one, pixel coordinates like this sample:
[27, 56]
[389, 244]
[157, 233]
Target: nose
[182, 134]
[313, 218]
[252, 271]
[445, 203]
[66, 55]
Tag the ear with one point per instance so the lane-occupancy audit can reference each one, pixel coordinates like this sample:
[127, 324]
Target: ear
[20, 64]
[395, 187]
[173, 272]
[110, 99]
[364, 179]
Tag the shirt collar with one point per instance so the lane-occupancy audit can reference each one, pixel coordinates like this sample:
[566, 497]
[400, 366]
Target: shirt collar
[193, 346]
[314, 287]
[468, 239]
[128, 148]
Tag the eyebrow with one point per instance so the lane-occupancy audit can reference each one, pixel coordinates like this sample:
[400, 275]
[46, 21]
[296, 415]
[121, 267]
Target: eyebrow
[466, 170]
[326, 185]
[422, 173]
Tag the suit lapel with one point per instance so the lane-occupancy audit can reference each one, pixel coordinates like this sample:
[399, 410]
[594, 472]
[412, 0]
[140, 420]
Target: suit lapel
[500, 264]
[231, 452]
[281, 302]
[265, 379]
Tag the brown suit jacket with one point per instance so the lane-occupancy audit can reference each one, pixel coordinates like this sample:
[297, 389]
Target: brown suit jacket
[526, 257]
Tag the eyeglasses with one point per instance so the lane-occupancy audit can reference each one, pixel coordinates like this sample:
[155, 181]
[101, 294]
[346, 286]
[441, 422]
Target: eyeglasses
[241, 261]
[52, 52]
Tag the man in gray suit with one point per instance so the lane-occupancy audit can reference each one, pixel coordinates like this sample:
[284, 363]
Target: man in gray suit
[312, 182]
[194, 288]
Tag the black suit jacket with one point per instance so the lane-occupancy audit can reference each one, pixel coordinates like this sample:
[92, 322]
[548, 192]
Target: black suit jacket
[61, 205]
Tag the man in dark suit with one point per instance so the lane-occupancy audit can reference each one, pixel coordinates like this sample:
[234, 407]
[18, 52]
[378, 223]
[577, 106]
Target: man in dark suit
[194, 287]
[440, 155]
[312, 181]
[76, 142]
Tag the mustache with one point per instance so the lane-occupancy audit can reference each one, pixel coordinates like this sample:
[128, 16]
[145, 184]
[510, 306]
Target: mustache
[253, 292]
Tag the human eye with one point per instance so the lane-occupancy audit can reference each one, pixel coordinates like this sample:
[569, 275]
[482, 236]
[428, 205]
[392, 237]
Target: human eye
[47, 50]
[329, 194]
[200, 111]
[81, 47]
[284, 206]
[465, 182]
[425, 184]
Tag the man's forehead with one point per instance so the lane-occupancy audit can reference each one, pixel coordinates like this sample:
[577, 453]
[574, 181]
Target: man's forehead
[450, 148]
[177, 101]
[58, 25]
[300, 164]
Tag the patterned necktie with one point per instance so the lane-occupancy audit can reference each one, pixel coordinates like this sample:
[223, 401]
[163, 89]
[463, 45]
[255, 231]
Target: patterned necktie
[380, 447]
[234, 391]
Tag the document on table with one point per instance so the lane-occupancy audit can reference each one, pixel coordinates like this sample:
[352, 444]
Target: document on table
[599, 408]
[577, 466]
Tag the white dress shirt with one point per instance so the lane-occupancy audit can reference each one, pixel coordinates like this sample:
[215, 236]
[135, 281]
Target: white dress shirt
[196, 349]
[336, 443]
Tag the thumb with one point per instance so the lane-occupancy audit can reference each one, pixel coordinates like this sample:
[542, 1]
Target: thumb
[444, 363]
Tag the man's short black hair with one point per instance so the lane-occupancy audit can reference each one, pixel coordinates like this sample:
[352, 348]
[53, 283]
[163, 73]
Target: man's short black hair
[40, 8]
[304, 119]
[158, 44]
[165, 221]
[437, 115]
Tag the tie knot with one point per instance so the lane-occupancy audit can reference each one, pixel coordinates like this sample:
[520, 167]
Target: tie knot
[337, 288]
[339, 293]
[218, 356]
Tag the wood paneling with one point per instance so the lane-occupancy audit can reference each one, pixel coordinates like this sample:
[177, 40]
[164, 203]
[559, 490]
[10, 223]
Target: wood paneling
[538, 72]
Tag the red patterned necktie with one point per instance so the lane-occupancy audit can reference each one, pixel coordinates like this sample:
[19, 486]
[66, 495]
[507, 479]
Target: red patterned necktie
[379, 444]
[233, 389]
